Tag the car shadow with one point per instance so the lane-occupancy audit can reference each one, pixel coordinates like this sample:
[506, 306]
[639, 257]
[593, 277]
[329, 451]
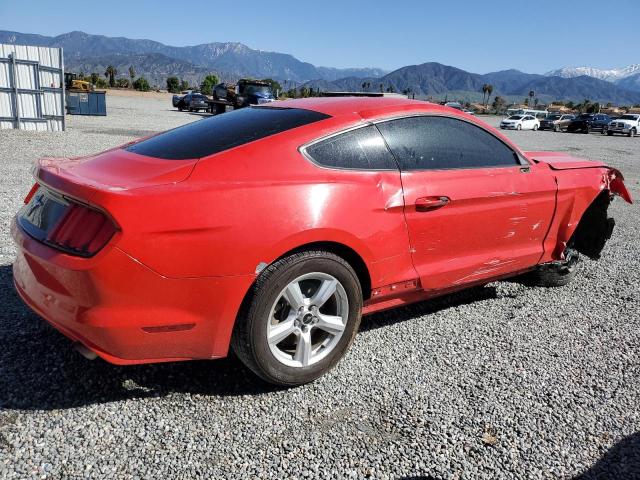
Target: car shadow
[40, 370]
[462, 297]
[621, 461]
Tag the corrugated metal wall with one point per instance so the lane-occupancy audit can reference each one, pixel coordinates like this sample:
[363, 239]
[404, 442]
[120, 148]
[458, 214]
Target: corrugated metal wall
[31, 88]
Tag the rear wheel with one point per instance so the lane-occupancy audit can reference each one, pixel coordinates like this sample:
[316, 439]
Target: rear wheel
[300, 318]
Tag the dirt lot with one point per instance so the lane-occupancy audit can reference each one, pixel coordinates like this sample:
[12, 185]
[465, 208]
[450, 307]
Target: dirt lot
[503, 381]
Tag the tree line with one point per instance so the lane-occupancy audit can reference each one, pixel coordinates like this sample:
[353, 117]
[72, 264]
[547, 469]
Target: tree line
[138, 83]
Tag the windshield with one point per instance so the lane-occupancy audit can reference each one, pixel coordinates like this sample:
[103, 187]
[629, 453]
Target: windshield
[257, 89]
[552, 117]
[584, 116]
[515, 117]
[629, 117]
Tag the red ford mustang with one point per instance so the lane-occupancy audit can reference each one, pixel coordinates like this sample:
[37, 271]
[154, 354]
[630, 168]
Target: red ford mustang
[273, 229]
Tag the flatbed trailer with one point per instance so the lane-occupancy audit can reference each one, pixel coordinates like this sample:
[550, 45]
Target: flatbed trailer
[219, 106]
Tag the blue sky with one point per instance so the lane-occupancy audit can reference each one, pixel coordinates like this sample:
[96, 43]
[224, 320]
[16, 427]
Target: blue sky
[532, 36]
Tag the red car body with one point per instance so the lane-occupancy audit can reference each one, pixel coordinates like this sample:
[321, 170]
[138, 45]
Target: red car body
[190, 236]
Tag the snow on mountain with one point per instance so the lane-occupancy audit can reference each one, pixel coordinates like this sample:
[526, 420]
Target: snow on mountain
[612, 75]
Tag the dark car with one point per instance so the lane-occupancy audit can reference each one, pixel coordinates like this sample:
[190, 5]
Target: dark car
[556, 122]
[586, 122]
[244, 93]
[193, 102]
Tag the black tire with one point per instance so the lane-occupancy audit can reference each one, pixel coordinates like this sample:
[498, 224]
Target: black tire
[587, 129]
[609, 133]
[518, 127]
[555, 274]
[535, 127]
[249, 340]
[180, 107]
[556, 128]
[632, 132]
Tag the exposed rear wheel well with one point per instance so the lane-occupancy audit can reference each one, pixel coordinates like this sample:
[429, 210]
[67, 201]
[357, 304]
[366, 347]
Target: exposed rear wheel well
[344, 252]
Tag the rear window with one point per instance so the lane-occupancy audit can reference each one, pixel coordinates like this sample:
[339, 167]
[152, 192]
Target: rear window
[222, 132]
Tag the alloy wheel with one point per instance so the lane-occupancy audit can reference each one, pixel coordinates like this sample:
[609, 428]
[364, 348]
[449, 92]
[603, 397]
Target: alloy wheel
[307, 319]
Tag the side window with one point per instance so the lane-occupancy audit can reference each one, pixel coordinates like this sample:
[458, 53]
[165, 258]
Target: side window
[362, 149]
[438, 143]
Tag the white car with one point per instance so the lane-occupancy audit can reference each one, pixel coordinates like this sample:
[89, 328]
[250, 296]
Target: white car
[520, 122]
[627, 124]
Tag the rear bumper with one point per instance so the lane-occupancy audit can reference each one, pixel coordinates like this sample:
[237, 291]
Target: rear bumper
[122, 310]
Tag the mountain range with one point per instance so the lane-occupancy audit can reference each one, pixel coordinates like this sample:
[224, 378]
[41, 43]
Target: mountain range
[626, 77]
[232, 60]
[441, 81]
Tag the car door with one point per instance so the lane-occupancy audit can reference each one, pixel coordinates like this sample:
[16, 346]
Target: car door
[529, 122]
[474, 208]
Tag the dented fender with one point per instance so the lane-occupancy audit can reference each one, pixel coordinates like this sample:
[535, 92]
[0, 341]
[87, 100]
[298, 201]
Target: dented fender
[615, 184]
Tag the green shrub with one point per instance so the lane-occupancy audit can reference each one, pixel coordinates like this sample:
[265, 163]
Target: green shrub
[141, 84]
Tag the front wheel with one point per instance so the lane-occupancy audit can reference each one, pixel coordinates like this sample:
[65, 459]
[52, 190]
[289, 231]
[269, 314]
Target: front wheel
[518, 127]
[556, 128]
[535, 127]
[299, 319]
[555, 274]
[632, 132]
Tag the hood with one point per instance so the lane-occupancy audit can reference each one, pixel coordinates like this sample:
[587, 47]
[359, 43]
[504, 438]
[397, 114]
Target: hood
[261, 95]
[562, 160]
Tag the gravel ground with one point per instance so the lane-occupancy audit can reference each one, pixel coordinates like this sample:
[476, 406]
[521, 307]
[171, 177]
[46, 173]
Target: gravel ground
[503, 381]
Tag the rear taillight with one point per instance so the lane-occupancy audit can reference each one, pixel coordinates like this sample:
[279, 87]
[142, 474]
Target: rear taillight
[81, 230]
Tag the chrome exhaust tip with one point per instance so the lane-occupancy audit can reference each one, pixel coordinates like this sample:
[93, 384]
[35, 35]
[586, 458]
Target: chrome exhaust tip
[85, 352]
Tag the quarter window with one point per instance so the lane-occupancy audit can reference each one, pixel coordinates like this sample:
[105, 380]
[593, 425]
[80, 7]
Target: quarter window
[362, 149]
[438, 143]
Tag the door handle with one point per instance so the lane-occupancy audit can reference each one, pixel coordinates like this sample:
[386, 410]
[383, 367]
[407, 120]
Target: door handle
[425, 204]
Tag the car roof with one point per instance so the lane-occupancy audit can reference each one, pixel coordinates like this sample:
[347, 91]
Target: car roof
[365, 107]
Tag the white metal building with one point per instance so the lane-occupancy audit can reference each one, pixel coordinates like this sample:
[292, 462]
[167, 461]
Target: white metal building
[31, 88]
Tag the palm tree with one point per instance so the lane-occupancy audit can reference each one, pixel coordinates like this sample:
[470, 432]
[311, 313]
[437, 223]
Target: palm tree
[132, 74]
[111, 73]
[381, 88]
[484, 92]
[531, 95]
[489, 92]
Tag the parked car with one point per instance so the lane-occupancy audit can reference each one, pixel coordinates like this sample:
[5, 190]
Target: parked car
[244, 93]
[176, 98]
[520, 122]
[232, 231]
[194, 102]
[556, 121]
[628, 124]
[587, 122]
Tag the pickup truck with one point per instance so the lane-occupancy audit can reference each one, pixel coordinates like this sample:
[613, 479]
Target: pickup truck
[586, 122]
[246, 92]
[628, 124]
